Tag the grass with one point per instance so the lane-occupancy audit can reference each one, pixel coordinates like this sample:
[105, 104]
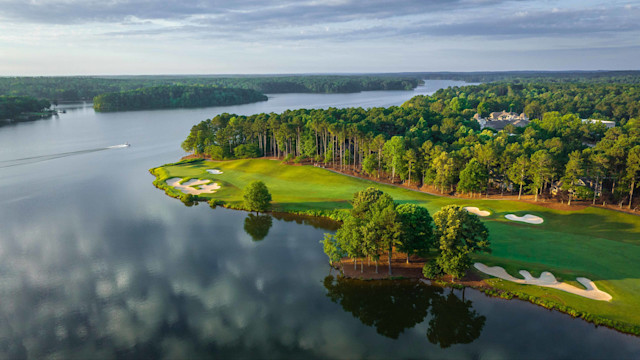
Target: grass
[596, 243]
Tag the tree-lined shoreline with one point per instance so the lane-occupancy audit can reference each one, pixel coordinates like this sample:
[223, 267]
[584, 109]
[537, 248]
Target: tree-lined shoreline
[432, 140]
[82, 88]
[174, 96]
[20, 108]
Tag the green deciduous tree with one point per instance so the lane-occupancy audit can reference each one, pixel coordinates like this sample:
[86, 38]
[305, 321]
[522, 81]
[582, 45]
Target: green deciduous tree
[444, 168]
[370, 165]
[458, 233]
[410, 159]
[573, 171]
[382, 229]
[349, 238]
[598, 166]
[487, 155]
[417, 229]
[633, 170]
[473, 178]
[257, 197]
[540, 170]
[518, 171]
[362, 201]
[394, 151]
[332, 248]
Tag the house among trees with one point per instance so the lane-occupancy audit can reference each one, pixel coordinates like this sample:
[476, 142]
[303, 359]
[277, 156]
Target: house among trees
[607, 123]
[499, 119]
[582, 182]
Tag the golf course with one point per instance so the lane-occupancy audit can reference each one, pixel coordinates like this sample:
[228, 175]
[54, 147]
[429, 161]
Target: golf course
[595, 243]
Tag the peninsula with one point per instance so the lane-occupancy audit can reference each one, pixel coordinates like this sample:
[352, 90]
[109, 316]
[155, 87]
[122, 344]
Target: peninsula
[553, 178]
[174, 96]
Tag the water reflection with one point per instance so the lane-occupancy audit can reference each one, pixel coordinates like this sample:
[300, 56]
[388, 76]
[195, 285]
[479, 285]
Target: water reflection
[95, 262]
[315, 222]
[257, 226]
[454, 321]
[391, 307]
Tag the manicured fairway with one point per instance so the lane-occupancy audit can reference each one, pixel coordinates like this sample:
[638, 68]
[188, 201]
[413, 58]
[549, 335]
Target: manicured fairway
[599, 244]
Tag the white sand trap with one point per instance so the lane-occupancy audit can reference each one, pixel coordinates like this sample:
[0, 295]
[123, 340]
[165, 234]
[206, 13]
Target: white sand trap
[194, 186]
[528, 218]
[475, 210]
[547, 279]
[214, 171]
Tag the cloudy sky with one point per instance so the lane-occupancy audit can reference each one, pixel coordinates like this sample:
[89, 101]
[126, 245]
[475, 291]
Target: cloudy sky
[65, 37]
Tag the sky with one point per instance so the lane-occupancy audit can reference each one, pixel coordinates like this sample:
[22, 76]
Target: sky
[110, 37]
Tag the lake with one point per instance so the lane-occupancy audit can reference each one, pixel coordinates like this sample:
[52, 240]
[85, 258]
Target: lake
[95, 262]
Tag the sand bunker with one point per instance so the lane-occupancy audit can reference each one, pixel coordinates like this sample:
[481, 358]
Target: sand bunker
[528, 218]
[547, 279]
[194, 186]
[214, 171]
[475, 210]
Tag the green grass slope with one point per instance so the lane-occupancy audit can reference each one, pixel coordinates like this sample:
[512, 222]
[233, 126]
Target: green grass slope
[599, 244]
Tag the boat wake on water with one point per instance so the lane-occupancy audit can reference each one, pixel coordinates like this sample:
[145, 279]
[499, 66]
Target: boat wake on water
[40, 158]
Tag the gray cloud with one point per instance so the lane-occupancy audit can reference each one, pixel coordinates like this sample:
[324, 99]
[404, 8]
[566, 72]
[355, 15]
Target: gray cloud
[349, 20]
[543, 23]
[282, 32]
[273, 12]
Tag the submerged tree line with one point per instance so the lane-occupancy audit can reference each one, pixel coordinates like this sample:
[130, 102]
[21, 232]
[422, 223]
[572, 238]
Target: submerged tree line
[433, 140]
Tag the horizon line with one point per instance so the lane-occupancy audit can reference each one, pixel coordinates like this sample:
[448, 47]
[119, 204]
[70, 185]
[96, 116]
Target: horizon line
[336, 73]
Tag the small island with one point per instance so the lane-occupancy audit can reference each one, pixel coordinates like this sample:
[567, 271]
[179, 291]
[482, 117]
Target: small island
[174, 96]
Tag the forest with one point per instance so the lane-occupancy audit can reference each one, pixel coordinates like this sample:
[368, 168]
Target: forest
[59, 89]
[433, 141]
[610, 77]
[77, 88]
[604, 101]
[174, 96]
[14, 106]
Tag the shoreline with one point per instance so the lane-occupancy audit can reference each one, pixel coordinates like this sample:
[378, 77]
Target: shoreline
[475, 280]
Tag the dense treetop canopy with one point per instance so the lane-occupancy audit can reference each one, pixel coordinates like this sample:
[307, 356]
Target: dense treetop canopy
[12, 106]
[432, 140]
[605, 101]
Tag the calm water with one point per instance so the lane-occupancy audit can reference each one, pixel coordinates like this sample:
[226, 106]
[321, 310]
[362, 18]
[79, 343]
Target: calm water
[95, 262]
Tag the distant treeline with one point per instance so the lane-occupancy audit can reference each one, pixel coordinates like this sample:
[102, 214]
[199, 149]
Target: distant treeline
[14, 106]
[174, 96]
[321, 84]
[58, 89]
[618, 102]
[622, 77]
[74, 88]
